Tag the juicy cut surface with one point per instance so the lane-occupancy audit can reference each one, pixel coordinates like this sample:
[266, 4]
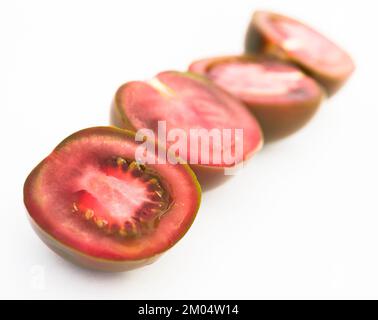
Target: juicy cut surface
[188, 103]
[263, 82]
[306, 44]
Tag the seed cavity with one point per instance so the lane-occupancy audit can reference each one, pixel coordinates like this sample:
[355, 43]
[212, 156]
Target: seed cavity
[156, 202]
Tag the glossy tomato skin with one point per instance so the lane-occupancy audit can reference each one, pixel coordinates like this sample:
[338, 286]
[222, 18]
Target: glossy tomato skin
[259, 42]
[86, 261]
[276, 120]
[288, 119]
[76, 255]
[209, 177]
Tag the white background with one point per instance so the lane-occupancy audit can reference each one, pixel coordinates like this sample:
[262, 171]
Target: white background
[301, 221]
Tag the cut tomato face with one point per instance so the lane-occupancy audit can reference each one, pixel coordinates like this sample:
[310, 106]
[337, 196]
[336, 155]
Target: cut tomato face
[89, 200]
[291, 40]
[281, 96]
[192, 105]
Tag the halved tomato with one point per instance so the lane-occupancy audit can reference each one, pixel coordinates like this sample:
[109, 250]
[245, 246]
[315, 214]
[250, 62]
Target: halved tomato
[190, 104]
[91, 202]
[279, 94]
[286, 38]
